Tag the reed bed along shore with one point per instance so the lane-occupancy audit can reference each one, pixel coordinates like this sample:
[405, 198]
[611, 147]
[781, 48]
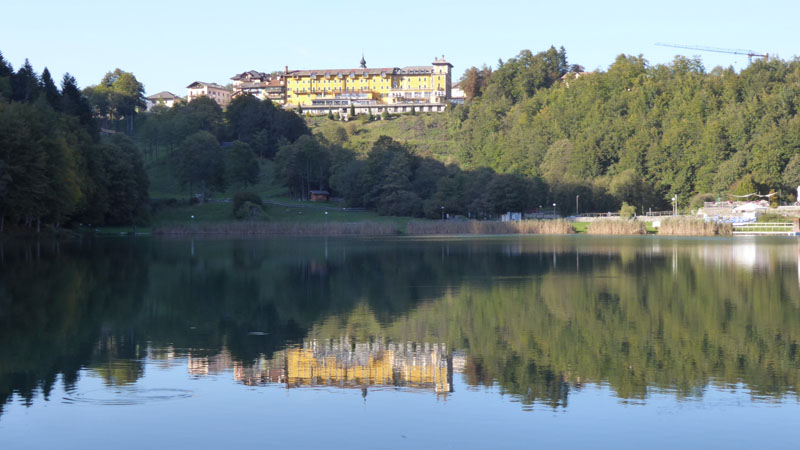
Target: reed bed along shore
[282, 229]
[616, 227]
[694, 227]
[428, 228]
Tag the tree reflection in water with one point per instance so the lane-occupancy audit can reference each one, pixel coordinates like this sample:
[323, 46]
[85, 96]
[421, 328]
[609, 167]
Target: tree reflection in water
[536, 316]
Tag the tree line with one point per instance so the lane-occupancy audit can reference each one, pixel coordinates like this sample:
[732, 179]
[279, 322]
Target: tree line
[392, 180]
[195, 133]
[637, 132]
[55, 169]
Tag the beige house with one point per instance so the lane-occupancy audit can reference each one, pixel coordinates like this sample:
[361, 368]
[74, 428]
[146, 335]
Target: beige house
[165, 98]
[218, 93]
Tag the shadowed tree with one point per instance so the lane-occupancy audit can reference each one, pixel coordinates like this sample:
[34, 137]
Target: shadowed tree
[200, 163]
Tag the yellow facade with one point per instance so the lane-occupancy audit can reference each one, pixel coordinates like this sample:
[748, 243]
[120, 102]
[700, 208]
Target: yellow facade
[369, 87]
[383, 368]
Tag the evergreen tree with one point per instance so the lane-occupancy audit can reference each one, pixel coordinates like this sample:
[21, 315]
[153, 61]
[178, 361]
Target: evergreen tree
[50, 90]
[25, 84]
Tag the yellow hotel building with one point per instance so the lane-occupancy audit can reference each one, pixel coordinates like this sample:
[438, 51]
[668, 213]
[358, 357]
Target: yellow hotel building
[370, 90]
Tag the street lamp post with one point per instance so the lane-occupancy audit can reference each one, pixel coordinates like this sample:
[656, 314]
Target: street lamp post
[675, 205]
[577, 210]
[442, 213]
[554, 210]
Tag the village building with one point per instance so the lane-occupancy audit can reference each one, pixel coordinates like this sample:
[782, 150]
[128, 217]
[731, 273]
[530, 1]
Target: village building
[260, 85]
[218, 93]
[457, 95]
[165, 98]
[370, 90]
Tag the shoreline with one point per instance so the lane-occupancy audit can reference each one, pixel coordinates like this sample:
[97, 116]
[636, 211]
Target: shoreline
[421, 228]
[400, 227]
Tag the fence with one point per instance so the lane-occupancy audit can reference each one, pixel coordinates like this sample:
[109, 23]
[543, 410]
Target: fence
[765, 228]
[605, 214]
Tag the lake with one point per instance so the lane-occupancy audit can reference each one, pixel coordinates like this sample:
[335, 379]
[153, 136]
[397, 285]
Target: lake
[495, 342]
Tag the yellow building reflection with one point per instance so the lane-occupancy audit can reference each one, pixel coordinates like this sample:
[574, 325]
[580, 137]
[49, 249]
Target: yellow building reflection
[346, 364]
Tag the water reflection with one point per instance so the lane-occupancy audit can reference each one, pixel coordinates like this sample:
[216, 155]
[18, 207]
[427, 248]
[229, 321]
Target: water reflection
[538, 318]
[346, 364]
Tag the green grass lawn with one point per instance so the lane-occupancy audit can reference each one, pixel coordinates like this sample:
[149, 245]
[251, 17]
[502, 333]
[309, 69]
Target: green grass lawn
[430, 134]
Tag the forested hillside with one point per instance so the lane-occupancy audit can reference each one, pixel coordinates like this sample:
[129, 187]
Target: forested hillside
[636, 133]
[639, 132]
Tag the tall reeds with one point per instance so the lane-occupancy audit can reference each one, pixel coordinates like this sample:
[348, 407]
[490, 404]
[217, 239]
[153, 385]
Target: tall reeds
[693, 227]
[428, 228]
[616, 227]
[282, 229]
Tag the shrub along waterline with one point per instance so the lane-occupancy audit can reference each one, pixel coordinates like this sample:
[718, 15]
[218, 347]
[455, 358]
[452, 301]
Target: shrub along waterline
[282, 229]
[694, 227]
[425, 228]
[616, 227]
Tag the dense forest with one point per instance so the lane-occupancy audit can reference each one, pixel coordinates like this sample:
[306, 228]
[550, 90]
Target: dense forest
[639, 132]
[55, 169]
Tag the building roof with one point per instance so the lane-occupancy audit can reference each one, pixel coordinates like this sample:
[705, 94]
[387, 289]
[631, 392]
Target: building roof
[336, 72]
[163, 95]
[413, 70]
[437, 61]
[198, 84]
[249, 74]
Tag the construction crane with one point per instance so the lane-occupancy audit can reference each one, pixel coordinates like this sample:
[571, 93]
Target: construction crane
[750, 53]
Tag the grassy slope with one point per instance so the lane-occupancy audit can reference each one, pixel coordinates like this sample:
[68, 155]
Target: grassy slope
[164, 186]
[430, 134]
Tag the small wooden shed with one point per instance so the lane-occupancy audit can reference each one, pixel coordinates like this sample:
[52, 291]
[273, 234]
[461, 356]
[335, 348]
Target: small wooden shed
[319, 196]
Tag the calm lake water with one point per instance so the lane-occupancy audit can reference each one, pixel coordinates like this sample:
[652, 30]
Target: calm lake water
[509, 342]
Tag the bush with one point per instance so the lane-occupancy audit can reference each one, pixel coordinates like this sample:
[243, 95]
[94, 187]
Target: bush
[384, 115]
[627, 211]
[364, 118]
[249, 210]
[698, 200]
[336, 116]
[330, 115]
[240, 201]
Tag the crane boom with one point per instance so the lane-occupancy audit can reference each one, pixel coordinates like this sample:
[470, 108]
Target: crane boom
[749, 53]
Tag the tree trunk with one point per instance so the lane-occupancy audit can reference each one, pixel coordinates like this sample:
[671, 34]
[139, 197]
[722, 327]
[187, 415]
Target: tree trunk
[38, 224]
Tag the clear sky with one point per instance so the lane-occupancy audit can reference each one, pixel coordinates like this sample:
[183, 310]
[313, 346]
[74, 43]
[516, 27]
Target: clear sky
[170, 43]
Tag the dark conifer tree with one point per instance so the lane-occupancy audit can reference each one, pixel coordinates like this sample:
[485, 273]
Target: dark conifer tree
[50, 90]
[25, 84]
[75, 104]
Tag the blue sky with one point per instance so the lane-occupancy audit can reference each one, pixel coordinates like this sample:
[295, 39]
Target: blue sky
[169, 44]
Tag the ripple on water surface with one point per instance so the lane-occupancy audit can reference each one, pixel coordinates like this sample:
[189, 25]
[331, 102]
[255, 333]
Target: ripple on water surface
[127, 396]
